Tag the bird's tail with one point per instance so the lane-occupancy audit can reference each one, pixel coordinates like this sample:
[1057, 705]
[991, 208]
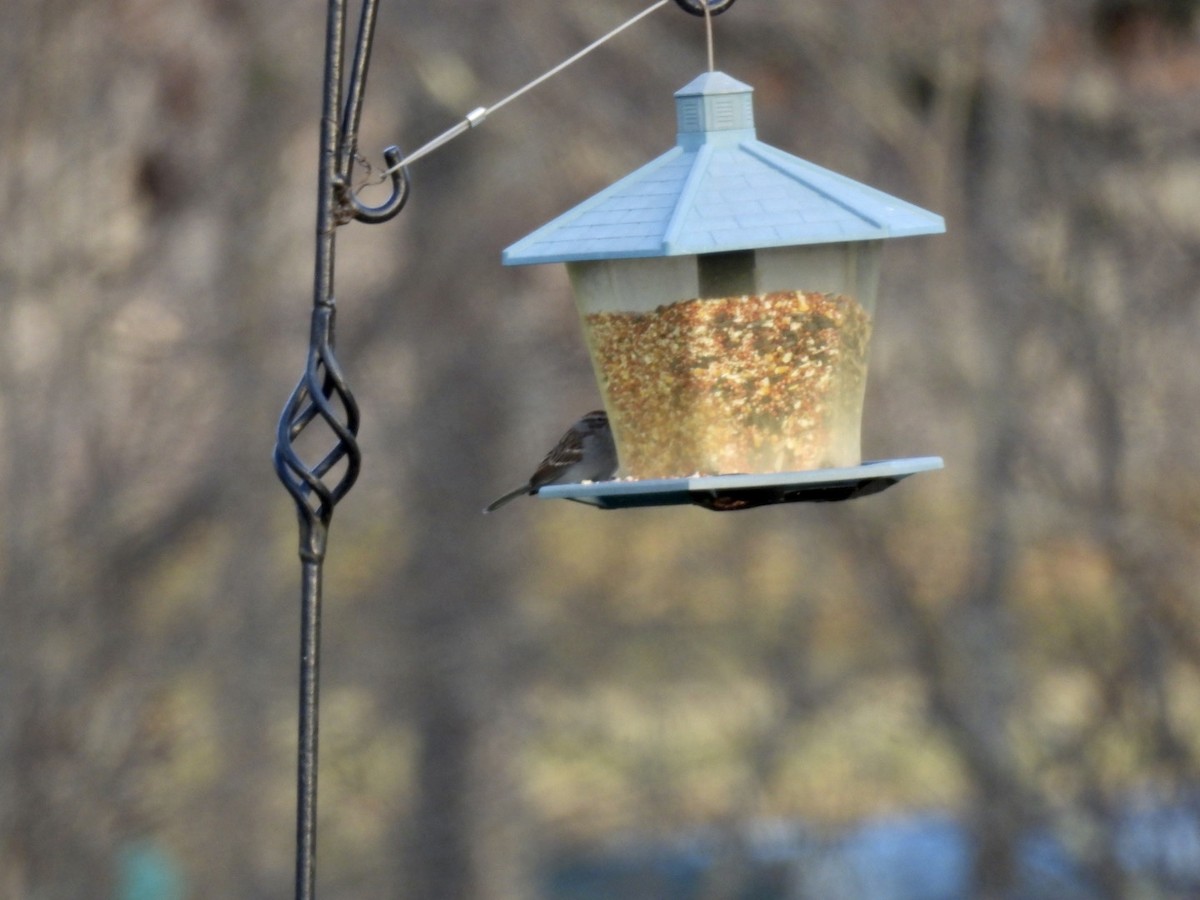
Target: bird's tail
[511, 495]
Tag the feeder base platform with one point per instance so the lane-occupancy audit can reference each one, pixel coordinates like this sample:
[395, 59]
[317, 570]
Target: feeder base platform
[729, 492]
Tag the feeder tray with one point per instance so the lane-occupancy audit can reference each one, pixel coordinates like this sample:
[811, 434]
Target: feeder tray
[723, 493]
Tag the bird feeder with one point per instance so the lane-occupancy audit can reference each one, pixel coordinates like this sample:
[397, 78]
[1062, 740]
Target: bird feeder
[727, 293]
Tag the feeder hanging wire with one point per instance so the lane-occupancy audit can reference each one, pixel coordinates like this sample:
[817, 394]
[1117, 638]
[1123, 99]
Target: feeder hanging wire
[476, 116]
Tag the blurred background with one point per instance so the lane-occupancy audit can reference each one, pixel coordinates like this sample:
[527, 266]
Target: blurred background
[984, 683]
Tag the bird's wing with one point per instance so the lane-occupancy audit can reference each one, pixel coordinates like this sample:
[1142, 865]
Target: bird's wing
[566, 453]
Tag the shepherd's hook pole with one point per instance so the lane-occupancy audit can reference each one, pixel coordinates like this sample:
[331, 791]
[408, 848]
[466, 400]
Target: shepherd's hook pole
[322, 398]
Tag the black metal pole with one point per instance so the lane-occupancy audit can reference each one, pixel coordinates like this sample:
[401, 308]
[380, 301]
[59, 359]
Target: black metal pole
[322, 397]
[312, 399]
[335, 27]
[313, 549]
[310, 663]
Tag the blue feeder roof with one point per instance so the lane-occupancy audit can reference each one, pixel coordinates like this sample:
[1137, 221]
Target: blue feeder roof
[720, 189]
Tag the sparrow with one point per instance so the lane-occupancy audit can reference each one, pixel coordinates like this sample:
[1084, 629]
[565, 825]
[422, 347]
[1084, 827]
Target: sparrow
[586, 452]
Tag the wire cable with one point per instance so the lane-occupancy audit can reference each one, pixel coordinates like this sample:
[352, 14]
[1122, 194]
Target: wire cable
[476, 116]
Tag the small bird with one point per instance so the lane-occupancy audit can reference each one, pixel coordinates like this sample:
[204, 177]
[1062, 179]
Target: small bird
[586, 452]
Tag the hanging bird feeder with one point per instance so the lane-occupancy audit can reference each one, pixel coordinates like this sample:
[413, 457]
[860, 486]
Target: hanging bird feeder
[727, 293]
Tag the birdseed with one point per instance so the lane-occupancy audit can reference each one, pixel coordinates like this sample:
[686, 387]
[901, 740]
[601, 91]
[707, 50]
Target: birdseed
[762, 383]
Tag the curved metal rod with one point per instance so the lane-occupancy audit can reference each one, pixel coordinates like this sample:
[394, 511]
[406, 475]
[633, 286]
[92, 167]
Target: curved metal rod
[373, 215]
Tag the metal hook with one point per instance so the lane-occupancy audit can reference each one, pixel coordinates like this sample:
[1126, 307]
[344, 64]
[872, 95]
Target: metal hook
[350, 207]
[700, 7]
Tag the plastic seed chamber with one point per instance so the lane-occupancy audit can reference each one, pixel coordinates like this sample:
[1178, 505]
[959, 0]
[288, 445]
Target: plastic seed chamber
[730, 366]
[727, 294]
